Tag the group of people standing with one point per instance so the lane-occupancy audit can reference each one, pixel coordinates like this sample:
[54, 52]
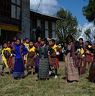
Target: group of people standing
[79, 59]
[42, 58]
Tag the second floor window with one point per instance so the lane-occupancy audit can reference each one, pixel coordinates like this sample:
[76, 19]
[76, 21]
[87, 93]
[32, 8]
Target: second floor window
[16, 9]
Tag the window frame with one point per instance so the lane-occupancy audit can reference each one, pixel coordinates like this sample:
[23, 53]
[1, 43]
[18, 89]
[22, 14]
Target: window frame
[46, 29]
[16, 8]
[53, 29]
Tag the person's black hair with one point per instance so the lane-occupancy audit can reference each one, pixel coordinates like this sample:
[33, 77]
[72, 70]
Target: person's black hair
[91, 49]
[45, 40]
[69, 38]
[18, 39]
[89, 43]
[81, 39]
[77, 45]
[53, 40]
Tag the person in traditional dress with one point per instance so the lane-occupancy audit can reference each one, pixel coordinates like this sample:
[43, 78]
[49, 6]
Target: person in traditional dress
[6, 54]
[54, 53]
[11, 57]
[43, 72]
[19, 50]
[38, 43]
[38, 46]
[9, 44]
[12, 47]
[91, 76]
[88, 54]
[81, 57]
[31, 57]
[71, 70]
[26, 43]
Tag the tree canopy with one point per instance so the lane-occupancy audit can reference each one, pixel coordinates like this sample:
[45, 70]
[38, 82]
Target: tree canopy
[67, 25]
[89, 11]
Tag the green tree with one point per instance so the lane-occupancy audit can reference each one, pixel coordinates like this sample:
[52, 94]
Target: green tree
[66, 25]
[89, 11]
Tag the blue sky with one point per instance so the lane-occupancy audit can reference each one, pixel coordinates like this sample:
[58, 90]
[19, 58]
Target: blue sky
[75, 6]
[50, 7]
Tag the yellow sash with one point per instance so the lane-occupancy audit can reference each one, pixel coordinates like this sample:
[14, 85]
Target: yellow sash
[81, 51]
[3, 57]
[55, 48]
[33, 49]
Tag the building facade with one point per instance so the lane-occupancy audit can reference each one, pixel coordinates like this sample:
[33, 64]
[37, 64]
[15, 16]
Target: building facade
[42, 25]
[25, 19]
[13, 19]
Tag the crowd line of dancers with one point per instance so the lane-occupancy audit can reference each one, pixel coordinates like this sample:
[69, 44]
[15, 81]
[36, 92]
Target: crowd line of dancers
[42, 58]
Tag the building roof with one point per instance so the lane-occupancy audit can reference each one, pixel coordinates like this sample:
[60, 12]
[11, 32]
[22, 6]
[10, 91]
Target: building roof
[46, 15]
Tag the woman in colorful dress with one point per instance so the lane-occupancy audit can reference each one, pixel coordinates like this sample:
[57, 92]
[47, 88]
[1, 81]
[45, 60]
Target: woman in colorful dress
[38, 46]
[53, 58]
[71, 69]
[31, 57]
[81, 57]
[6, 54]
[92, 68]
[19, 50]
[26, 43]
[11, 57]
[44, 61]
[89, 55]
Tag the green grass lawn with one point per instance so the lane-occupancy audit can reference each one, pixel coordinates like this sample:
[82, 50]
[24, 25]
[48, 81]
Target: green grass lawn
[52, 87]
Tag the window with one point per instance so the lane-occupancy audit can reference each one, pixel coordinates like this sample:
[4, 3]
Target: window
[46, 33]
[53, 30]
[18, 2]
[38, 23]
[13, 11]
[46, 24]
[16, 9]
[46, 29]
[13, 1]
[18, 13]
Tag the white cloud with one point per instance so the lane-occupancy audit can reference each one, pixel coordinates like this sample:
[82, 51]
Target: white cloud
[44, 6]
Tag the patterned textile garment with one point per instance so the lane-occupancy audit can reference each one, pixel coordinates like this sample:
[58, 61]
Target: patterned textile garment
[6, 54]
[25, 56]
[11, 57]
[37, 59]
[71, 70]
[18, 70]
[26, 45]
[81, 59]
[92, 68]
[53, 57]
[92, 72]
[89, 56]
[44, 63]
[31, 58]
[54, 60]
